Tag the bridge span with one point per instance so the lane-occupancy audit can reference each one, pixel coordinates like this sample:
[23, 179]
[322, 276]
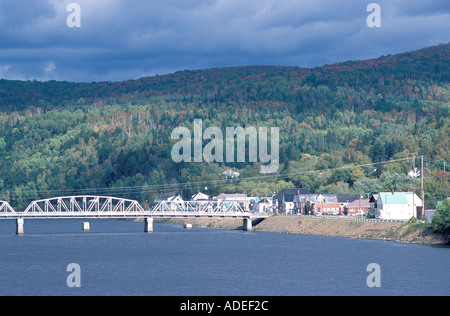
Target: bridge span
[105, 207]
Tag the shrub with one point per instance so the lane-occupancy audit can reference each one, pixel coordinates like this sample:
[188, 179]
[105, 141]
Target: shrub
[441, 220]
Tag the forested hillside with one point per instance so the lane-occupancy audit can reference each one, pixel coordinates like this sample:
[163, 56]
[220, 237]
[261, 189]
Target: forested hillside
[113, 138]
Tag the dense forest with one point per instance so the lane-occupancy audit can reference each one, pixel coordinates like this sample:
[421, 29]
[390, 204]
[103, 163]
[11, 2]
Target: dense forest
[344, 128]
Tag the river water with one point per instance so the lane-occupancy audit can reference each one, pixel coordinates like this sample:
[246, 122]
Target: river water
[117, 258]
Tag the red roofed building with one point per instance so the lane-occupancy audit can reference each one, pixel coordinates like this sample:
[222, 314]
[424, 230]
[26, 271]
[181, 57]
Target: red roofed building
[358, 207]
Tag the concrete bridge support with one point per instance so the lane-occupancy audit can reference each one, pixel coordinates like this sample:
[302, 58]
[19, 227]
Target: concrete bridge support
[19, 226]
[247, 224]
[148, 225]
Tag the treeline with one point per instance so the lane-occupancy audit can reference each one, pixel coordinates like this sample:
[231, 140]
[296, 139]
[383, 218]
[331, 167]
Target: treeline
[59, 138]
[386, 83]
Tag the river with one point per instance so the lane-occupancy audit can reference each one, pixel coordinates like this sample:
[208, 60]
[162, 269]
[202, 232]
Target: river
[117, 258]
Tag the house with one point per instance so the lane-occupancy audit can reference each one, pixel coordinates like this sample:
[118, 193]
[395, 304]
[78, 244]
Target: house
[283, 202]
[398, 205]
[230, 199]
[172, 201]
[345, 199]
[264, 205]
[170, 197]
[304, 204]
[330, 204]
[199, 196]
[242, 198]
[252, 204]
[230, 174]
[358, 207]
[373, 201]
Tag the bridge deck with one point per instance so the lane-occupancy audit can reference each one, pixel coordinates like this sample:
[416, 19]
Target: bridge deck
[127, 215]
[107, 215]
[88, 206]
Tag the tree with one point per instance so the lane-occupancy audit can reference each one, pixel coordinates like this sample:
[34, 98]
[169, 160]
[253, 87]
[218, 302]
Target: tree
[365, 186]
[391, 181]
[343, 175]
[2, 145]
[357, 174]
[441, 220]
[377, 152]
[336, 188]
[131, 166]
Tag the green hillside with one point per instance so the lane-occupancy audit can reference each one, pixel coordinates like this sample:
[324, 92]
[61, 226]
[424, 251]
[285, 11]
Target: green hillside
[113, 138]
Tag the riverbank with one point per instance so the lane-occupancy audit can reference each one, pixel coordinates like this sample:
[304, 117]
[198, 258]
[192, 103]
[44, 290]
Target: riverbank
[392, 231]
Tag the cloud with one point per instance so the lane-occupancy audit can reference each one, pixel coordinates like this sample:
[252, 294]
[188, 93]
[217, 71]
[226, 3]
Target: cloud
[4, 70]
[50, 67]
[122, 39]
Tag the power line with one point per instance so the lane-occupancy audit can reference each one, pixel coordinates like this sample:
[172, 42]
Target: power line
[183, 185]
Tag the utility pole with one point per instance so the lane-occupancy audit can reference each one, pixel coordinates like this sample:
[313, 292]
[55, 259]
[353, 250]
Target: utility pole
[421, 188]
[414, 187]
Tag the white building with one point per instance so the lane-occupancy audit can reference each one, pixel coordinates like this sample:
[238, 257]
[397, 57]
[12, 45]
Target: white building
[264, 205]
[172, 200]
[222, 197]
[230, 173]
[231, 199]
[398, 205]
[199, 196]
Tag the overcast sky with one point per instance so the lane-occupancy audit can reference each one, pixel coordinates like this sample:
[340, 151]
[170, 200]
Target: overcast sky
[129, 39]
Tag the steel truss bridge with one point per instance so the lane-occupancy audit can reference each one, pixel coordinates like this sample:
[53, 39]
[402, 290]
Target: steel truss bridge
[88, 206]
[106, 207]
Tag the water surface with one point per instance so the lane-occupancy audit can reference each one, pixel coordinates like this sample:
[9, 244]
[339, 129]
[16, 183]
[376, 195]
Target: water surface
[117, 258]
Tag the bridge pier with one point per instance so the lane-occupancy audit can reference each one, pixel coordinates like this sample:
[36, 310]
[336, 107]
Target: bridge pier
[148, 225]
[86, 226]
[19, 226]
[247, 224]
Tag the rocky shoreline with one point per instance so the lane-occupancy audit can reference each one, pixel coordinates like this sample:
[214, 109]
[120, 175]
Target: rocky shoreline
[391, 231]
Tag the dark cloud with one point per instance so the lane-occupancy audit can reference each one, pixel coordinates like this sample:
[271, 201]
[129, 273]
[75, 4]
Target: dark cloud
[122, 39]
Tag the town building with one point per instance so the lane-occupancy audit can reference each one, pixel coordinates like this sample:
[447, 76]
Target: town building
[170, 197]
[199, 196]
[398, 205]
[322, 204]
[283, 202]
[373, 201]
[241, 199]
[173, 200]
[264, 205]
[230, 174]
[358, 207]
[237, 197]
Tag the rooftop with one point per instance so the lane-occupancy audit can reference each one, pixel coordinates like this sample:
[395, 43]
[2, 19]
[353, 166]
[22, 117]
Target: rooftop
[364, 203]
[394, 197]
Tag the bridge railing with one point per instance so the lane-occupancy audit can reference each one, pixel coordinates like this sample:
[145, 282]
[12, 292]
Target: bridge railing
[6, 210]
[110, 207]
[83, 206]
[199, 208]
[85, 203]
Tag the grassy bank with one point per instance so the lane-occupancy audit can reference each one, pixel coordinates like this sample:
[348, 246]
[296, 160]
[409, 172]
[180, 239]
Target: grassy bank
[393, 231]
